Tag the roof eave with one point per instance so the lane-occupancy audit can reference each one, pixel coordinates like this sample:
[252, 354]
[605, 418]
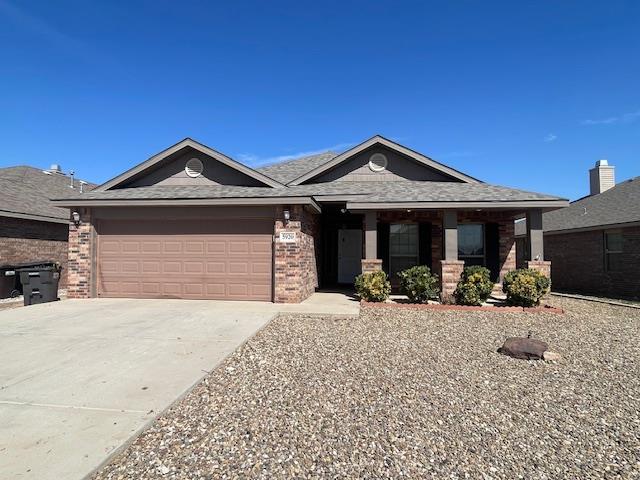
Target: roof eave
[590, 228]
[166, 202]
[482, 205]
[29, 216]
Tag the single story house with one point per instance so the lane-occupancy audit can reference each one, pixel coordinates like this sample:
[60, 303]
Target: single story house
[191, 222]
[31, 227]
[594, 243]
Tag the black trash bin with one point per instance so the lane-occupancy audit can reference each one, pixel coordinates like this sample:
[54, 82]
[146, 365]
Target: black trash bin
[40, 282]
[9, 282]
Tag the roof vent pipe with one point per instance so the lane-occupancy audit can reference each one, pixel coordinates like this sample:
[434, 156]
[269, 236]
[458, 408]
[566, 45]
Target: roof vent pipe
[601, 177]
[71, 173]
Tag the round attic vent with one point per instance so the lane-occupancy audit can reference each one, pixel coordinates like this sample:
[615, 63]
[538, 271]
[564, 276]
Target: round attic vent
[378, 162]
[194, 167]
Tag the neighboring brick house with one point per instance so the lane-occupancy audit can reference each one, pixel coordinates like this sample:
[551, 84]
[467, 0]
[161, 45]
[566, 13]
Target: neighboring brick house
[594, 243]
[31, 227]
[190, 222]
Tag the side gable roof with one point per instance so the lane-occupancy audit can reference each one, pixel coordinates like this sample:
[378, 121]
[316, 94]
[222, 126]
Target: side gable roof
[188, 142]
[377, 139]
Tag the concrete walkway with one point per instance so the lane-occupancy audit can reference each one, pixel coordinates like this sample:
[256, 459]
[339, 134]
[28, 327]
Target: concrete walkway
[79, 378]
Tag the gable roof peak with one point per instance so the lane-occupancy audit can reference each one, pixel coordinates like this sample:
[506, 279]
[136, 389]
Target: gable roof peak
[390, 144]
[176, 147]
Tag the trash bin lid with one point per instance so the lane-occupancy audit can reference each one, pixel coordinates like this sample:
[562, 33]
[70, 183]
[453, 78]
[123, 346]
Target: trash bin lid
[43, 265]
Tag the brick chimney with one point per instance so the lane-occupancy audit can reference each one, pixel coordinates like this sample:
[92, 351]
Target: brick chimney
[602, 177]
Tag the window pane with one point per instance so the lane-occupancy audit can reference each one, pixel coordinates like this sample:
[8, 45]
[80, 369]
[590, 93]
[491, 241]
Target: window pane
[614, 242]
[470, 240]
[403, 239]
[403, 247]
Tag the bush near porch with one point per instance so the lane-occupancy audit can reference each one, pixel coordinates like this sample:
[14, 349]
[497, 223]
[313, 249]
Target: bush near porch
[419, 284]
[525, 287]
[474, 287]
[373, 286]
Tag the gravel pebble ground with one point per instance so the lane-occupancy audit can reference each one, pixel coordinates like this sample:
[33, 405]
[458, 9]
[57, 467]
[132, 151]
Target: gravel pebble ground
[410, 394]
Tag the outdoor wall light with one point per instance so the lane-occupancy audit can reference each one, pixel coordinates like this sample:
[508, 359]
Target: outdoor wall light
[287, 215]
[76, 218]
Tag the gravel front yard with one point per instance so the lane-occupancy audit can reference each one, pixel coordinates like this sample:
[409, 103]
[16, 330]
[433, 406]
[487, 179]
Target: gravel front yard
[404, 393]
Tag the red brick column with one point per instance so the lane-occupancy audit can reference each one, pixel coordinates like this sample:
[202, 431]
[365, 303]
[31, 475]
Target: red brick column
[79, 261]
[296, 271]
[370, 265]
[543, 266]
[450, 271]
[507, 247]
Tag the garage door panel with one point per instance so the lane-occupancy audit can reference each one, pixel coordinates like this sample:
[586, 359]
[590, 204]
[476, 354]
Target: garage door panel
[260, 290]
[258, 268]
[171, 247]
[130, 247]
[171, 289]
[238, 290]
[216, 289]
[171, 267]
[151, 288]
[216, 267]
[151, 267]
[239, 247]
[238, 267]
[193, 267]
[258, 247]
[217, 247]
[217, 260]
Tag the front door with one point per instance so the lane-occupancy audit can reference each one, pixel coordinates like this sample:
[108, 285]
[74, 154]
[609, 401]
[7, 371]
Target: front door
[349, 255]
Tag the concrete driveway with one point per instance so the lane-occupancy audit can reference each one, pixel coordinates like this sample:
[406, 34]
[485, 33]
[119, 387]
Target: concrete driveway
[78, 378]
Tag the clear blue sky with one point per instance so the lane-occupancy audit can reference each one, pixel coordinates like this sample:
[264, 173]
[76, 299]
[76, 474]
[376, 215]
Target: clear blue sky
[523, 94]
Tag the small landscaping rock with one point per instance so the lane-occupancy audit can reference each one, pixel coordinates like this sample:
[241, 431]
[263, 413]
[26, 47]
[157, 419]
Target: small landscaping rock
[524, 348]
[551, 356]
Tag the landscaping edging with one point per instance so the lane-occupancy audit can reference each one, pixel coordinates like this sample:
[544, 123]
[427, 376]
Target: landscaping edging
[468, 308]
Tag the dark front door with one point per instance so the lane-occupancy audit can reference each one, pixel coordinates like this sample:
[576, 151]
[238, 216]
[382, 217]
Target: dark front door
[334, 220]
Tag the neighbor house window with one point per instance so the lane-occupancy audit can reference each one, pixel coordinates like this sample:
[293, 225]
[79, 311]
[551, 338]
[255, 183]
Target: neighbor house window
[403, 247]
[471, 243]
[613, 251]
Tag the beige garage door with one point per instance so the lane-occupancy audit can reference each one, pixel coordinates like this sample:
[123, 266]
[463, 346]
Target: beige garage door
[213, 259]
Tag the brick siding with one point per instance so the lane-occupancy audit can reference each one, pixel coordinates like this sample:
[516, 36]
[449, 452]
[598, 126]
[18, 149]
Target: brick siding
[296, 264]
[24, 241]
[579, 264]
[80, 251]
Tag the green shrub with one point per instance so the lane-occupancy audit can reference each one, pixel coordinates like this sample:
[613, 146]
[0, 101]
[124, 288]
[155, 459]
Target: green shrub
[419, 284]
[373, 286]
[474, 287]
[525, 287]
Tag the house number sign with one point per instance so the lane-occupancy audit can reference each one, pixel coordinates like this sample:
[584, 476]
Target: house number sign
[288, 237]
